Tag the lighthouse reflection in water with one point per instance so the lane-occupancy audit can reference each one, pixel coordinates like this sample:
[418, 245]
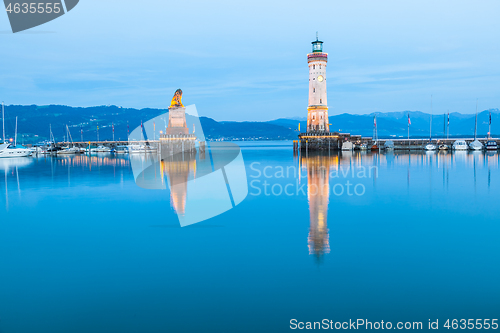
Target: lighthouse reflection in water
[318, 194]
[333, 176]
[442, 177]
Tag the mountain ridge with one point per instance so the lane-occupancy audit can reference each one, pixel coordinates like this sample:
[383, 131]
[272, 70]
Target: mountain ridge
[34, 123]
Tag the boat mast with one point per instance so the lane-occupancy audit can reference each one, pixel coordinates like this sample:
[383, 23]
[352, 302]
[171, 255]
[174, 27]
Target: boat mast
[408, 130]
[444, 125]
[51, 136]
[3, 123]
[69, 136]
[448, 127]
[15, 135]
[489, 127]
[430, 131]
[475, 128]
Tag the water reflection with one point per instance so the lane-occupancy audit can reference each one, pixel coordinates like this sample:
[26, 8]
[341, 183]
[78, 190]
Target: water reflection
[331, 173]
[10, 168]
[178, 169]
[51, 171]
[152, 171]
[318, 194]
[427, 171]
[422, 170]
[200, 188]
[64, 245]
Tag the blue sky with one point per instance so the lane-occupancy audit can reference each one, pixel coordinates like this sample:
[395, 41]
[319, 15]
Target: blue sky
[247, 60]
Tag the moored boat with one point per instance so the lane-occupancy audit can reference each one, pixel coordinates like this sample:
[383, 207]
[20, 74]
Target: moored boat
[389, 145]
[491, 145]
[346, 145]
[430, 146]
[476, 145]
[8, 151]
[68, 151]
[35, 150]
[101, 149]
[53, 150]
[121, 150]
[460, 145]
[443, 147]
[375, 146]
[141, 149]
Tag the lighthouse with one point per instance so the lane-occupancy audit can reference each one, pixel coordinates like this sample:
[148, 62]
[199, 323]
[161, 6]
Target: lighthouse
[317, 112]
[318, 135]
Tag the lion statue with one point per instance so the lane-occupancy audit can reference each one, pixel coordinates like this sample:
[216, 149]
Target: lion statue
[177, 100]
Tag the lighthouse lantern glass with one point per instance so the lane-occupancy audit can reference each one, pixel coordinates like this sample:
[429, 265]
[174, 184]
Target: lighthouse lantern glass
[317, 46]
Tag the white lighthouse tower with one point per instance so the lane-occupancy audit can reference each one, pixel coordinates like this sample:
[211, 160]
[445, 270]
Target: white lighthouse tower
[317, 112]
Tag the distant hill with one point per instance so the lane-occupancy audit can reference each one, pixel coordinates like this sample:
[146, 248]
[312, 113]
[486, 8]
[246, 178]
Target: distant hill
[396, 124]
[34, 123]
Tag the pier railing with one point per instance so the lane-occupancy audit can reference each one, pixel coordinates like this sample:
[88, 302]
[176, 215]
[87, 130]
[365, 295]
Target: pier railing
[335, 140]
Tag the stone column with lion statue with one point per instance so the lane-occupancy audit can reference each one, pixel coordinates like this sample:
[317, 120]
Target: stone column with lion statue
[177, 139]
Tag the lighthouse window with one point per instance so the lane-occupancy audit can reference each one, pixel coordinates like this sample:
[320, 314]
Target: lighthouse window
[320, 101]
[319, 66]
[314, 66]
[314, 89]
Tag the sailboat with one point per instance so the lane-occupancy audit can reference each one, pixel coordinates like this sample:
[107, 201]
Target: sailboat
[144, 148]
[430, 146]
[476, 145]
[8, 150]
[51, 145]
[101, 149]
[69, 150]
[375, 134]
[444, 146]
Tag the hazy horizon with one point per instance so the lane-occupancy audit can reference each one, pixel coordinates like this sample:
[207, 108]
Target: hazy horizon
[302, 118]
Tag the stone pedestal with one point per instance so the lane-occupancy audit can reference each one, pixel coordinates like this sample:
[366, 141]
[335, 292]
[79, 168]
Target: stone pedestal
[177, 144]
[177, 121]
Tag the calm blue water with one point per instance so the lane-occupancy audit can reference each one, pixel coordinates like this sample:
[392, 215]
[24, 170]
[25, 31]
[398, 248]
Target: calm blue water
[84, 249]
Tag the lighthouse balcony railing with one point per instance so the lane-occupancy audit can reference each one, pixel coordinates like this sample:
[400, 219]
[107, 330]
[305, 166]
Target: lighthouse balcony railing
[317, 55]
